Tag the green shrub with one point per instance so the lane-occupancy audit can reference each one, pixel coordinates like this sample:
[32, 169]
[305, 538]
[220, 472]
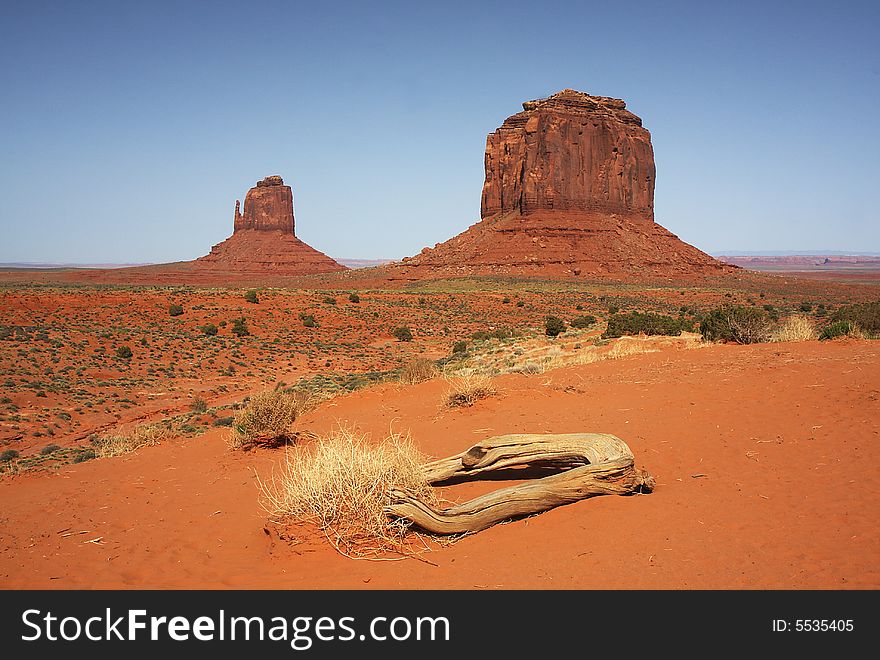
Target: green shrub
[839, 329]
[8, 455]
[124, 352]
[865, 315]
[520, 303]
[199, 405]
[403, 333]
[806, 307]
[355, 298]
[49, 449]
[308, 320]
[223, 421]
[638, 323]
[251, 296]
[506, 300]
[743, 325]
[84, 455]
[459, 347]
[554, 326]
[239, 327]
[209, 329]
[584, 321]
[330, 300]
[613, 309]
[175, 310]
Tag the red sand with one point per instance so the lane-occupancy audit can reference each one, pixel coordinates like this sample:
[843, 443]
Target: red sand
[765, 458]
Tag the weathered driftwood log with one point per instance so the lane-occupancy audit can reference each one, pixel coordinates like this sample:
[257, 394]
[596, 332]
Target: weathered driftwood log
[589, 463]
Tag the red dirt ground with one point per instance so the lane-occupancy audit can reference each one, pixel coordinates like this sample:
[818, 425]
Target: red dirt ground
[765, 457]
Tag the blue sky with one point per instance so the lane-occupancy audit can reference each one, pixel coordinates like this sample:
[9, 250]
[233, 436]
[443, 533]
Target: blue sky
[130, 128]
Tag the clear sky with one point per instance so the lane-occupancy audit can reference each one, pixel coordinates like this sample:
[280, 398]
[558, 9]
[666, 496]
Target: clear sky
[128, 128]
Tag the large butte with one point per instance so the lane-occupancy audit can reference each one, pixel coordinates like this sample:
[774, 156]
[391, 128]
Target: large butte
[569, 191]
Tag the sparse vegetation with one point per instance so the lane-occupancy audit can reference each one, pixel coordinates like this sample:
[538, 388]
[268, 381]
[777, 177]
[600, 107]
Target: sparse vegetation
[840, 329]
[353, 297]
[124, 352]
[467, 389]
[794, 328]
[175, 310]
[116, 444]
[8, 455]
[199, 405]
[209, 329]
[251, 296]
[402, 333]
[584, 321]
[342, 484]
[267, 417]
[418, 370]
[240, 328]
[743, 325]
[308, 320]
[459, 347]
[638, 323]
[554, 326]
[864, 316]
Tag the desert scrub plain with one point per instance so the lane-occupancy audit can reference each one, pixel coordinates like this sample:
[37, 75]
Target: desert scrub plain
[143, 470]
[79, 362]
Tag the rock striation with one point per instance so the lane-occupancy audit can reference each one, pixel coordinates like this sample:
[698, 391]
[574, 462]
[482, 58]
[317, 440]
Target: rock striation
[569, 191]
[263, 238]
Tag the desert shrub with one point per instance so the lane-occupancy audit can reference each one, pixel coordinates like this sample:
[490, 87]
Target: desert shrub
[794, 328]
[223, 421]
[554, 326]
[520, 303]
[124, 352]
[806, 307]
[116, 444]
[638, 323]
[330, 300]
[308, 320]
[506, 300]
[403, 333]
[8, 455]
[840, 329]
[481, 335]
[743, 325]
[865, 315]
[468, 389]
[209, 329]
[342, 483]
[198, 405]
[584, 321]
[175, 310]
[84, 455]
[239, 327]
[49, 449]
[613, 309]
[355, 298]
[267, 417]
[460, 346]
[251, 296]
[417, 371]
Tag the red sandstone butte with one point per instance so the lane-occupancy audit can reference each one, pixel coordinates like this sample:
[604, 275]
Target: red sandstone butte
[263, 238]
[569, 191]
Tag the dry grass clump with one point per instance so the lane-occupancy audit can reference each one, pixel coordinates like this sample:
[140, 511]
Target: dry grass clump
[116, 444]
[795, 328]
[267, 417]
[342, 484]
[418, 371]
[466, 390]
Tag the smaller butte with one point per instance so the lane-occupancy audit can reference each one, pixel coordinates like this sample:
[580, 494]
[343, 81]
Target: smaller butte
[263, 238]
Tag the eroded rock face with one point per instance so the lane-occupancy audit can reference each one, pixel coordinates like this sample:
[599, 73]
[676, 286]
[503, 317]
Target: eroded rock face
[263, 239]
[570, 152]
[268, 206]
[569, 192]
